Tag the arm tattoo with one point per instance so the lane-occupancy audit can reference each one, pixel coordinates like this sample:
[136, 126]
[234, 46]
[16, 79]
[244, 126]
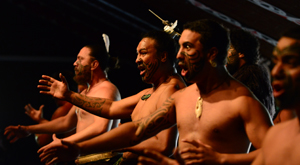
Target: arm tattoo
[156, 122]
[90, 104]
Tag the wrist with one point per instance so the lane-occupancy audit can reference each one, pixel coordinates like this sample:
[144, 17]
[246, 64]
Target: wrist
[67, 95]
[26, 129]
[223, 159]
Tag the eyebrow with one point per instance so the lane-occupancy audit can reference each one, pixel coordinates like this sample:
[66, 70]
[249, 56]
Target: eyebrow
[293, 49]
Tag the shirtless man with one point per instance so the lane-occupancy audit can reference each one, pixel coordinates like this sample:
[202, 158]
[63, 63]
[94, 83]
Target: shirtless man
[281, 145]
[90, 69]
[63, 107]
[242, 63]
[217, 117]
[155, 60]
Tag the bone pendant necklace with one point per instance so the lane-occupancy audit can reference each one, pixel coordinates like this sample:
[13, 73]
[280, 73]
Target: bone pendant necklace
[198, 109]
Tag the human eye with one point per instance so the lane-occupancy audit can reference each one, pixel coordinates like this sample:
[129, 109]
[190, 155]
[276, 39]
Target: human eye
[187, 46]
[291, 61]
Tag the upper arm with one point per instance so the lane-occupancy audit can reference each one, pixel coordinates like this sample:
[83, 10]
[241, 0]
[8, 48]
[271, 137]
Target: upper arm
[62, 110]
[123, 108]
[256, 119]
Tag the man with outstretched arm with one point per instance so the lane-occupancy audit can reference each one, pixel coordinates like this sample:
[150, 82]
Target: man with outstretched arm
[90, 68]
[217, 117]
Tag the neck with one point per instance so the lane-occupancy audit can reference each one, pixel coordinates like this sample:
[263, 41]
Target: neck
[97, 78]
[163, 77]
[208, 83]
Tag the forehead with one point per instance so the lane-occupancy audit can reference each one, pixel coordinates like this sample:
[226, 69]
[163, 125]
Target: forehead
[285, 42]
[84, 52]
[146, 43]
[189, 36]
[286, 46]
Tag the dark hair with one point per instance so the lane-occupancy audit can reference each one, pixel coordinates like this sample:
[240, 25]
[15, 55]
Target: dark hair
[292, 33]
[212, 34]
[246, 43]
[98, 51]
[164, 43]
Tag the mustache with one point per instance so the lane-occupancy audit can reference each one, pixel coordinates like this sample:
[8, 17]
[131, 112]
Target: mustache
[184, 53]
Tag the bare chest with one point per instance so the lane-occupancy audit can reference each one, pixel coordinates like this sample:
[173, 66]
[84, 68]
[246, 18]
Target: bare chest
[145, 107]
[216, 125]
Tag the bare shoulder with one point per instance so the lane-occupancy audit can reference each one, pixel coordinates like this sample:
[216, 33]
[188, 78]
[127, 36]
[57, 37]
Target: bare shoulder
[174, 84]
[279, 131]
[105, 90]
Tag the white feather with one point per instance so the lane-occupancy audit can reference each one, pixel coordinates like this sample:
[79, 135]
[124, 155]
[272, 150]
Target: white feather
[106, 41]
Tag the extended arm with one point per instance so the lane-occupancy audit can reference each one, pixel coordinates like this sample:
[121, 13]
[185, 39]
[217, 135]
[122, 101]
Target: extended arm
[99, 106]
[58, 125]
[127, 134]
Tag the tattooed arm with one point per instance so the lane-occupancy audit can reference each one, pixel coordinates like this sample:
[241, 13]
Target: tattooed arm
[98, 106]
[125, 135]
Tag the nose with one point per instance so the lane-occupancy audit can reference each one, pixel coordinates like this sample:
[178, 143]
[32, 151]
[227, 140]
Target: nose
[278, 71]
[75, 63]
[138, 59]
[179, 54]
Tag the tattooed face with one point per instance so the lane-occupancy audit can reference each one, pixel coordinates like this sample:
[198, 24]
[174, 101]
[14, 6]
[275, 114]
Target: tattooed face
[232, 60]
[190, 55]
[286, 72]
[148, 60]
[82, 66]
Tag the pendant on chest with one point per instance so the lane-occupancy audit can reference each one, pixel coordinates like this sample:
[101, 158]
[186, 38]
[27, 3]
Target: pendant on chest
[199, 107]
[145, 97]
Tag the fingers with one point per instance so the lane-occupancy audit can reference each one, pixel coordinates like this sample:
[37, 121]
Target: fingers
[54, 137]
[41, 107]
[62, 77]
[154, 155]
[53, 161]
[196, 143]
[178, 157]
[45, 156]
[41, 150]
[45, 82]
[146, 161]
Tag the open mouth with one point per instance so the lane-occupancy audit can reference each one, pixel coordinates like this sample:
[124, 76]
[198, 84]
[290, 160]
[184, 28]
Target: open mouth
[184, 69]
[142, 69]
[278, 88]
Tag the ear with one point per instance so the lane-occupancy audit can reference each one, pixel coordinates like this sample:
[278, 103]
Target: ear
[94, 64]
[213, 53]
[164, 57]
[241, 55]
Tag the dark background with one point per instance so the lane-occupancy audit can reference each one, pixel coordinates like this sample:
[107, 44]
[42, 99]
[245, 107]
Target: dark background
[44, 37]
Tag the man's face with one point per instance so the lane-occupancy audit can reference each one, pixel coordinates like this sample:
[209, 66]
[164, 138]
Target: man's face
[233, 60]
[82, 66]
[190, 55]
[148, 60]
[286, 72]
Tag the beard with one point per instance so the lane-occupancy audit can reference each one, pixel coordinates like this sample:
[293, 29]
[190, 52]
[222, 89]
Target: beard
[232, 64]
[83, 76]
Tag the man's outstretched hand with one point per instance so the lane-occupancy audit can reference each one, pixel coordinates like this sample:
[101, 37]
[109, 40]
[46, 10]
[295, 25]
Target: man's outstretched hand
[53, 87]
[14, 133]
[67, 151]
